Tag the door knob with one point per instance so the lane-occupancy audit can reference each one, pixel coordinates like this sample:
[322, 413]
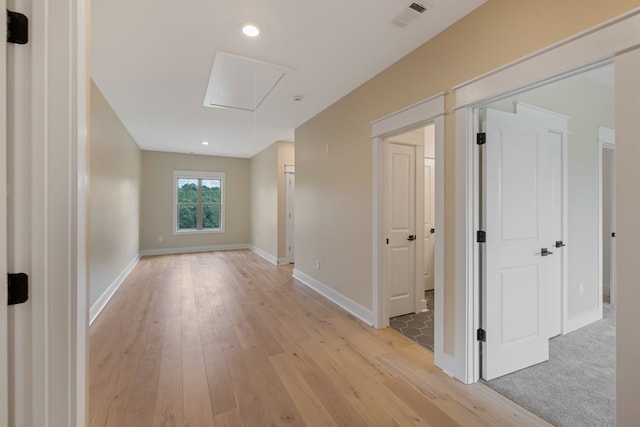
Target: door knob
[433, 230]
[411, 237]
[545, 252]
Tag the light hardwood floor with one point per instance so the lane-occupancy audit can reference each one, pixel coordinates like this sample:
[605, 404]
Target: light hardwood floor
[227, 339]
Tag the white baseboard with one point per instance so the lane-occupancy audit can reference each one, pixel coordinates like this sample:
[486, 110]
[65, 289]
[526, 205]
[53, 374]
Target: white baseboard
[102, 301]
[582, 320]
[193, 249]
[352, 307]
[264, 254]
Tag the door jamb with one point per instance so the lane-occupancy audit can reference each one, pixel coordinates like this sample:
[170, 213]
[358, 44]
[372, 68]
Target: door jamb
[289, 210]
[606, 141]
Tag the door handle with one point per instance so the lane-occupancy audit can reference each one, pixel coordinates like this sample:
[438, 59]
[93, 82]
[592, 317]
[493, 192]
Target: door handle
[559, 244]
[433, 230]
[411, 237]
[545, 252]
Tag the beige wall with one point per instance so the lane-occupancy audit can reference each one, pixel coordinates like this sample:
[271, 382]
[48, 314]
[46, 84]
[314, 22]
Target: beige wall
[268, 201]
[333, 189]
[114, 202]
[264, 201]
[157, 201]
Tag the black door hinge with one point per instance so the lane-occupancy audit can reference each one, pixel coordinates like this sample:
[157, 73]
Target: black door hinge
[481, 138]
[18, 285]
[17, 28]
[481, 236]
[481, 335]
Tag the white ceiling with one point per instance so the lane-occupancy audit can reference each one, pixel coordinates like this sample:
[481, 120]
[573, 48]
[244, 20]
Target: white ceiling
[152, 60]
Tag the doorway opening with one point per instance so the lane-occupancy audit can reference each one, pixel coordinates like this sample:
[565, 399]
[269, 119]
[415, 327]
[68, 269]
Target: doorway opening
[411, 297]
[412, 120]
[543, 209]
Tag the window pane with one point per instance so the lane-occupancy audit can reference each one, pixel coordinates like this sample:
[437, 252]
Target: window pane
[187, 216]
[187, 190]
[211, 190]
[210, 216]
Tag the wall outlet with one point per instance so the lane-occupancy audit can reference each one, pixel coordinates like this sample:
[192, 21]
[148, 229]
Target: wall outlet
[581, 288]
[160, 238]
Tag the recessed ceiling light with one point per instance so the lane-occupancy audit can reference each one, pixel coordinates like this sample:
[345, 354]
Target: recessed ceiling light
[251, 30]
[205, 142]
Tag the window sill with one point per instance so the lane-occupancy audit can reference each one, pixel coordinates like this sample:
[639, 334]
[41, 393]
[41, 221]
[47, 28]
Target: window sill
[192, 232]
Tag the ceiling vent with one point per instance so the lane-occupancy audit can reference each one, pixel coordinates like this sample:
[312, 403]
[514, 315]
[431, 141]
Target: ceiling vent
[241, 83]
[409, 14]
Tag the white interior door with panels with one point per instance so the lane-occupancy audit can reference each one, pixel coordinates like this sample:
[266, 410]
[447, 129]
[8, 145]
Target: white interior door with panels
[401, 226]
[557, 127]
[517, 256]
[429, 224]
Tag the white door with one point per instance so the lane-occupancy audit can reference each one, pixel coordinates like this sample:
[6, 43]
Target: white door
[557, 126]
[4, 392]
[519, 244]
[401, 208]
[290, 220]
[429, 223]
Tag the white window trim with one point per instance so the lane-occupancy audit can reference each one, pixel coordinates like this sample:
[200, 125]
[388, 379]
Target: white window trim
[198, 174]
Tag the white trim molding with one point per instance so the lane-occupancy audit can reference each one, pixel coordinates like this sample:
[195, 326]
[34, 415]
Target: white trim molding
[576, 54]
[350, 306]
[409, 117]
[101, 302]
[194, 249]
[264, 254]
[585, 49]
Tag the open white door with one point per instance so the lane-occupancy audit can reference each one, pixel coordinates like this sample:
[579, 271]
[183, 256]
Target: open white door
[519, 244]
[4, 387]
[401, 208]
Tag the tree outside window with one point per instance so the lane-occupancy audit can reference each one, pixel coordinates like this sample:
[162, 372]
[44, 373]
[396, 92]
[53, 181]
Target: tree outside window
[199, 201]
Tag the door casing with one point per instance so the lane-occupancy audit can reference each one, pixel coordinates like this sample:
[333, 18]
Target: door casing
[430, 110]
[4, 371]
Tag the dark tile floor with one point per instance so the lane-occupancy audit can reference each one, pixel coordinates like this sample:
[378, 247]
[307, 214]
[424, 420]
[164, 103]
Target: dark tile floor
[417, 326]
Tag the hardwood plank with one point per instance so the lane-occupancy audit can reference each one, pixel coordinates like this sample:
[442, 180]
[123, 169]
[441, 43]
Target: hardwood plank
[305, 399]
[196, 403]
[227, 339]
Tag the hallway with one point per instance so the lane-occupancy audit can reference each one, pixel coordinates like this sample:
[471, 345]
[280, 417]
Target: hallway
[225, 338]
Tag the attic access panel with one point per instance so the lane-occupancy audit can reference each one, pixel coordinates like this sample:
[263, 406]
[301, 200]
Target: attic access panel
[241, 83]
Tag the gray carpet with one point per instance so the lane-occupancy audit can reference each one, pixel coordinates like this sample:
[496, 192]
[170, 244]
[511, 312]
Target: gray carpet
[576, 387]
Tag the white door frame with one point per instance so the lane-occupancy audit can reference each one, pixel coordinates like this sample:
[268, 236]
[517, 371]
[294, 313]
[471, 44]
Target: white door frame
[428, 111]
[606, 141]
[586, 50]
[4, 372]
[289, 170]
[57, 124]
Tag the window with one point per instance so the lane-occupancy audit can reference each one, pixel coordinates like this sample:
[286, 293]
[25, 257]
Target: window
[198, 202]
